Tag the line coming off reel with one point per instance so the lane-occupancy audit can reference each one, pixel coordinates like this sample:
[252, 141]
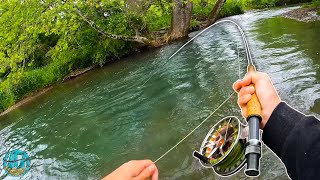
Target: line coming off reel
[230, 145]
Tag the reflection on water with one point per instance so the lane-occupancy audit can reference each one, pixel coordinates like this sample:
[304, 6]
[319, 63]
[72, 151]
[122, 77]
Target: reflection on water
[85, 128]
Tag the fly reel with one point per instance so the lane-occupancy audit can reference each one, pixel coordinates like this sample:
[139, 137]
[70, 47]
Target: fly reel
[223, 149]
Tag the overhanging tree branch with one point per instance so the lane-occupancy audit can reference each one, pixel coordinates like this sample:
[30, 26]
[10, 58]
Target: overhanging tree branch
[138, 39]
[214, 14]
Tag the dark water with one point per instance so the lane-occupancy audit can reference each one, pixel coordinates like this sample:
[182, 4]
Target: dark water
[86, 127]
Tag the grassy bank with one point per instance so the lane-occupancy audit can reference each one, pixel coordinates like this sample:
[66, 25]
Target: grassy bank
[261, 4]
[314, 4]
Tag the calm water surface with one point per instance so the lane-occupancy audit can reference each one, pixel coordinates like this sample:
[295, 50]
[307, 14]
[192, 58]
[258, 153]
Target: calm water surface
[86, 127]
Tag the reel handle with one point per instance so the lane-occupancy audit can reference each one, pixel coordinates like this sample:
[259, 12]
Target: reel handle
[200, 157]
[253, 146]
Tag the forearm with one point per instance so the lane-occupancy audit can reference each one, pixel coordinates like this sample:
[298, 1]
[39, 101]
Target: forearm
[294, 137]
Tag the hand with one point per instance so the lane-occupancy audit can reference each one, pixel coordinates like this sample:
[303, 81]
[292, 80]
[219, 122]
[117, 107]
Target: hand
[135, 170]
[265, 91]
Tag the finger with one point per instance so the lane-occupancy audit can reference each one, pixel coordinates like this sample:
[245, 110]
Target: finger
[247, 80]
[243, 100]
[155, 175]
[147, 173]
[237, 85]
[246, 90]
[137, 166]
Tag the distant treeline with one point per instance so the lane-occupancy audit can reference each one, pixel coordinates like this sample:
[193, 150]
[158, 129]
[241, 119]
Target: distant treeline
[270, 3]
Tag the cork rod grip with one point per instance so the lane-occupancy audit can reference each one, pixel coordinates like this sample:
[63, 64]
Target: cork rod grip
[254, 107]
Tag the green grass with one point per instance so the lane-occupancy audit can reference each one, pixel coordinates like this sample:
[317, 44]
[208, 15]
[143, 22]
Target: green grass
[313, 4]
[12, 90]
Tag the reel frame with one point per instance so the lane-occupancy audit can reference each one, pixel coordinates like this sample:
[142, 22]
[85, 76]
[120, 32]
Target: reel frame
[234, 158]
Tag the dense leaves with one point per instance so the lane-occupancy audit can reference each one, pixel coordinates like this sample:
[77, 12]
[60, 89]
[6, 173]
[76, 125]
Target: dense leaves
[41, 42]
[270, 3]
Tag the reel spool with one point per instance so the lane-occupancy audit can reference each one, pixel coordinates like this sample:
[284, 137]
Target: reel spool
[223, 149]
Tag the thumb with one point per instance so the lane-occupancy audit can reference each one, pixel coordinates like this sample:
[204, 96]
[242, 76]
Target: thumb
[147, 173]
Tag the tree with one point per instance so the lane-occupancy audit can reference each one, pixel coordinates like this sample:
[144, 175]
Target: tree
[181, 18]
[214, 14]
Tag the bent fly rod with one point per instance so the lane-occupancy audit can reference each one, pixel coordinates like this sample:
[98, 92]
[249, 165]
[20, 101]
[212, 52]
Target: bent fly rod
[229, 144]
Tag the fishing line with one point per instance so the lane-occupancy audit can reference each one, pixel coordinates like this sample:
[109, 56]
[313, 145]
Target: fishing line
[250, 62]
[244, 40]
[226, 100]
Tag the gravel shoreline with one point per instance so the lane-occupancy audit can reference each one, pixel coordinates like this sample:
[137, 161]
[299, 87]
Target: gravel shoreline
[303, 14]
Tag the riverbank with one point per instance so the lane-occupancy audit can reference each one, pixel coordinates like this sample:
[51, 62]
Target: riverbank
[303, 14]
[30, 97]
[40, 92]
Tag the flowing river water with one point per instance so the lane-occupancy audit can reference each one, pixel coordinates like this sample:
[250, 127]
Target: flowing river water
[88, 126]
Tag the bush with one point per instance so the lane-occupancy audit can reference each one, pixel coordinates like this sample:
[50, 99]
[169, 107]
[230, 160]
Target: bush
[313, 4]
[316, 3]
[13, 89]
[202, 10]
[6, 96]
[93, 50]
[231, 8]
[194, 25]
[287, 2]
[259, 4]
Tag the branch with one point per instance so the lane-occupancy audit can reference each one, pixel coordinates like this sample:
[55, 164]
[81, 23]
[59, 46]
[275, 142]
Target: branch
[138, 39]
[214, 14]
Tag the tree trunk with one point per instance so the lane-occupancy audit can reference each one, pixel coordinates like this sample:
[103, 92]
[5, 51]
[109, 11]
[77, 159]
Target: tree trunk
[214, 14]
[181, 17]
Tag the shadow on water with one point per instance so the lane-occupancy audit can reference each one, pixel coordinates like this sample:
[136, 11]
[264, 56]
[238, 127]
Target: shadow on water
[86, 127]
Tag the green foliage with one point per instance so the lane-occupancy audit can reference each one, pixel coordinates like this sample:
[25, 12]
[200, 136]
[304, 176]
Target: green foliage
[158, 16]
[316, 4]
[260, 4]
[286, 2]
[13, 88]
[194, 24]
[42, 42]
[202, 8]
[230, 8]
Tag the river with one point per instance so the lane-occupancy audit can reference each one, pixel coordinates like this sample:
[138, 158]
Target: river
[140, 106]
